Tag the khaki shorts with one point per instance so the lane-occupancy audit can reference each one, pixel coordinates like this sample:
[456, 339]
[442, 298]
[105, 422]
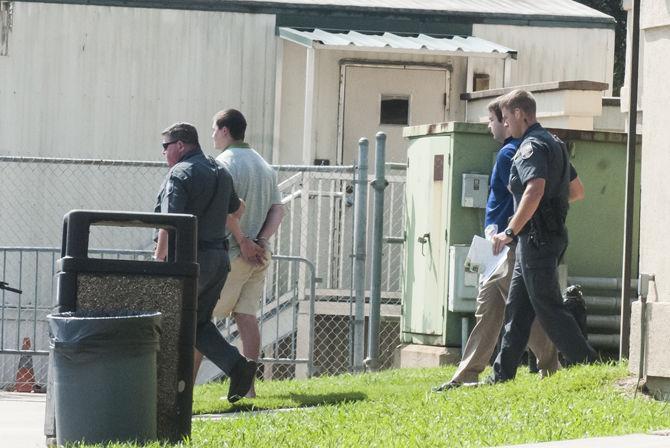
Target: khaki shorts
[243, 289]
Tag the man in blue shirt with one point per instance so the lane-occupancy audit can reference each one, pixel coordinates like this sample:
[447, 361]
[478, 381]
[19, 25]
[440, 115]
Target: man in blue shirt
[493, 293]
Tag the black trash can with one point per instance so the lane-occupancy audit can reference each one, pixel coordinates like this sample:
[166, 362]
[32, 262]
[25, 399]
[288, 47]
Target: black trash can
[104, 368]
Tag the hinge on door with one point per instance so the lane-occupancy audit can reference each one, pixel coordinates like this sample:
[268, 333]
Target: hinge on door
[444, 99]
[442, 310]
[445, 235]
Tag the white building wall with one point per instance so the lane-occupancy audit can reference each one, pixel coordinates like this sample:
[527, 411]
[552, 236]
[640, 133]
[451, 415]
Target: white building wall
[102, 82]
[655, 196]
[654, 213]
[327, 91]
[553, 54]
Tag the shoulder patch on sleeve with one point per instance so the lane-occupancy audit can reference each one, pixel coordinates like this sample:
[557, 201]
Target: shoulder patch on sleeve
[525, 151]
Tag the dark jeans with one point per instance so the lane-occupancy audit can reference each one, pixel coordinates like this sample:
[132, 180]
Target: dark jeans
[534, 291]
[214, 268]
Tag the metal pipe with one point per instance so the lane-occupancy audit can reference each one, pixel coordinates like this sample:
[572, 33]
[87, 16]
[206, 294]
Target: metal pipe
[610, 323]
[312, 299]
[379, 185]
[315, 168]
[360, 226]
[600, 282]
[630, 183]
[642, 292]
[465, 332]
[604, 341]
[643, 337]
[396, 166]
[603, 305]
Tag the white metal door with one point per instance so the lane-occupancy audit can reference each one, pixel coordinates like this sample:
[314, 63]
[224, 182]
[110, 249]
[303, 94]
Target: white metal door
[368, 91]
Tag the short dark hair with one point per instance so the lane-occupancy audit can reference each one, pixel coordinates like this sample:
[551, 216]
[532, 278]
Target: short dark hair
[494, 106]
[519, 99]
[233, 120]
[184, 132]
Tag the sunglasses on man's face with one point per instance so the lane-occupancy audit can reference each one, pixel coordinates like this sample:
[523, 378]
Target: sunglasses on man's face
[166, 144]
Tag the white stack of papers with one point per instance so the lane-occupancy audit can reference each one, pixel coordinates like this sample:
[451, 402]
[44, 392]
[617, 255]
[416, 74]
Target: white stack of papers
[480, 258]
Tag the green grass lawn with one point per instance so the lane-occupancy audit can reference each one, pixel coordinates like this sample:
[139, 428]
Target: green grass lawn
[396, 408]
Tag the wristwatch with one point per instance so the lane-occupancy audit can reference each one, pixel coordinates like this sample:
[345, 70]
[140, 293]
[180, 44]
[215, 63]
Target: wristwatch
[510, 233]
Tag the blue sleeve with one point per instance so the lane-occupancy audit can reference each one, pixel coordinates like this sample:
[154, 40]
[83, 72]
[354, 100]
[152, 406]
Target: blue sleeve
[504, 164]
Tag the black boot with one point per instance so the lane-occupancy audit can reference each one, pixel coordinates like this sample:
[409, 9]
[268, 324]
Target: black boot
[241, 379]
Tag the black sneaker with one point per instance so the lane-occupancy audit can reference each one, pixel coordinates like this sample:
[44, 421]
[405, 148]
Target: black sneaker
[446, 386]
[241, 379]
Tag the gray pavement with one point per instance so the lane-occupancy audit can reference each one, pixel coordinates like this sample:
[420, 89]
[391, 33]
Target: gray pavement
[22, 426]
[660, 439]
[22, 420]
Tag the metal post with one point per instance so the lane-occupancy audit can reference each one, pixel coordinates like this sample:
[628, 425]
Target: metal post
[624, 343]
[465, 332]
[360, 225]
[379, 185]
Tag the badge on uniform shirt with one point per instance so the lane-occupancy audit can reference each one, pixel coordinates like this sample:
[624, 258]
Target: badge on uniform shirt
[526, 151]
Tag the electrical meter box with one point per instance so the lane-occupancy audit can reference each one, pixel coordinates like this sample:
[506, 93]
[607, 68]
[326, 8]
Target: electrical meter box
[463, 285]
[475, 190]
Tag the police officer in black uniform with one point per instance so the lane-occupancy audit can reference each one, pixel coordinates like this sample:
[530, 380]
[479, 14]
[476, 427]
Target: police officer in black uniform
[540, 182]
[198, 185]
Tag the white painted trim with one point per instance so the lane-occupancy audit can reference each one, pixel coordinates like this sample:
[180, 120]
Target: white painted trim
[276, 137]
[339, 157]
[308, 120]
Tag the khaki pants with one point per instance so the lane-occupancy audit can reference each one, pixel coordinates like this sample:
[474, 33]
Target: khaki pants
[490, 314]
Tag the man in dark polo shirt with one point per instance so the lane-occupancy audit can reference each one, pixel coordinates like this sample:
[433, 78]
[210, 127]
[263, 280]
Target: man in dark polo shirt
[198, 185]
[540, 182]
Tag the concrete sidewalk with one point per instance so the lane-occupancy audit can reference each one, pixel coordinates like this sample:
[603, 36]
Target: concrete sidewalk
[659, 439]
[22, 426]
[22, 420]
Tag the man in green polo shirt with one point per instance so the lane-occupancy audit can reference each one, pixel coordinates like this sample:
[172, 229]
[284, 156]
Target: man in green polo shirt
[255, 182]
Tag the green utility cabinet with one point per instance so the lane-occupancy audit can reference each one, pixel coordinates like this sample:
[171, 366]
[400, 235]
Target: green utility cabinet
[437, 223]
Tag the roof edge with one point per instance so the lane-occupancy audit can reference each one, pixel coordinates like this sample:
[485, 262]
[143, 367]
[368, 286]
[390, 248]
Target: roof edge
[539, 87]
[266, 7]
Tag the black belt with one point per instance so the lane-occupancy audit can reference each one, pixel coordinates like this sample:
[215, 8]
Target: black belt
[209, 245]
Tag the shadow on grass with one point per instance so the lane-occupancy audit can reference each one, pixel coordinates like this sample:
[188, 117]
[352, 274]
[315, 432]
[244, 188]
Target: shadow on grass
[326, 399]
[300, 400]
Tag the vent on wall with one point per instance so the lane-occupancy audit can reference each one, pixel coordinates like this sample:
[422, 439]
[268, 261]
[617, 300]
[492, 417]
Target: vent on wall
[6, 12]
[480, 81]
[394, 110]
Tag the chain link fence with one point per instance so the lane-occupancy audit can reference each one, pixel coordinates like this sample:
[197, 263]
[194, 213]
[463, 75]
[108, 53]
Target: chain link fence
[317, 226]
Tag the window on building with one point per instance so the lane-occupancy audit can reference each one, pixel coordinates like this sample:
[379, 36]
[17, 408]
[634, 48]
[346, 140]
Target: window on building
[394, 109]
[480, 81]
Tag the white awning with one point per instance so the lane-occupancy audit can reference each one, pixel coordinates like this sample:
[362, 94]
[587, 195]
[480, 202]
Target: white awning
[395, 43]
